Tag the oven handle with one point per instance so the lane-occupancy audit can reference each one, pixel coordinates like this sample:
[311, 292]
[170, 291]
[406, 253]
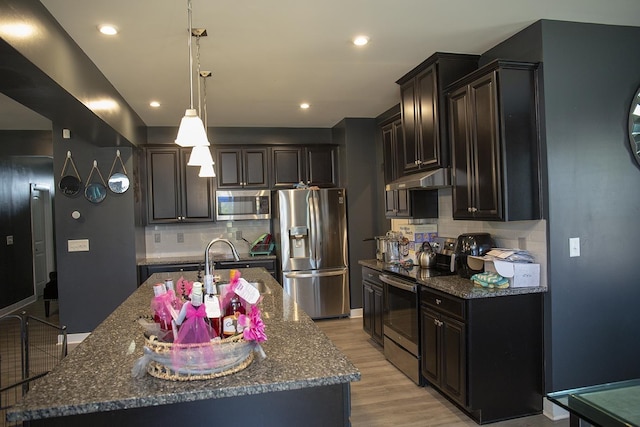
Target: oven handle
[398, 284]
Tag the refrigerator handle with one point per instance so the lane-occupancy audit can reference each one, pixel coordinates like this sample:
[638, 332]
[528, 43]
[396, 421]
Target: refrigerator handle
[313, 215]
[317, 273]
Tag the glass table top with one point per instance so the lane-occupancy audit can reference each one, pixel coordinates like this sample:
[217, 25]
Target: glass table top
[611, 404]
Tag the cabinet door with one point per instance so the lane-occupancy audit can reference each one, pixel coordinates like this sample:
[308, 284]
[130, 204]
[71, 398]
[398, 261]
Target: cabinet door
[392, 142]
[397, 204]
[255, 170]
[287, 166]
[367, 308]
[454, 361]
[408, 155]
[428, 135]
[377, 331]
[430, 357]
[461, 147]
[321, 166]
[487, 185]
[196, 192]
[163, 166]
[229, 163]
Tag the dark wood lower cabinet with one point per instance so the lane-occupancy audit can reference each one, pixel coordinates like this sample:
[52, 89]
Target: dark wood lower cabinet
[484, 354]
[144, 271]
[372, 308]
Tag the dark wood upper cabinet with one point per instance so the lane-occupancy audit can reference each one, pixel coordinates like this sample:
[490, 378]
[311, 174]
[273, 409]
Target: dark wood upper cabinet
[423, 108]
[245, 167]
[175, 191]
[311, 164]
[322, 161]
[495, 143]
[392, 141]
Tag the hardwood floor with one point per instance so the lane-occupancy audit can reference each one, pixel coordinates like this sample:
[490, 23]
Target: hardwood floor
[386, 397]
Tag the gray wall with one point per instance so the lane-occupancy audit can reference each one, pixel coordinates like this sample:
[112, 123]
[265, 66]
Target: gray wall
[591, 73]
[358, 164]
[92, 284]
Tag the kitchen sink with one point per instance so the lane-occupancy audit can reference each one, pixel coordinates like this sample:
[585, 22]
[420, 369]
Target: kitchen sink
[258, 284]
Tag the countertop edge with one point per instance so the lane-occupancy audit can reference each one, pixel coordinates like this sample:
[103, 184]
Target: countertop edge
[456, 285]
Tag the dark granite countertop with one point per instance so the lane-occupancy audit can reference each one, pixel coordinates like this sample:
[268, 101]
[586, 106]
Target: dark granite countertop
[451, 284]
[195, 259]
[96, 375]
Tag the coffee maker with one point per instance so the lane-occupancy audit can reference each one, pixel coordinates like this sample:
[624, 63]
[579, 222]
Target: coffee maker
[475, 244]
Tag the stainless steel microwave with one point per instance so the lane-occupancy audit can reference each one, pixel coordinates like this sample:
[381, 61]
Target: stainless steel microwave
[243, 204]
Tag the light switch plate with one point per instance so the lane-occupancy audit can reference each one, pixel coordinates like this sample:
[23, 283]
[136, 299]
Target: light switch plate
[574, 246]
[79, 245]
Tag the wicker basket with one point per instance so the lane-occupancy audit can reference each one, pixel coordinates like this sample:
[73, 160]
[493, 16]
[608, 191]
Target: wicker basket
[231, 355]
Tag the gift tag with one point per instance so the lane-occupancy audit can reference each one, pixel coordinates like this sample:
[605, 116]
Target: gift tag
[212, 307]
[247, 292]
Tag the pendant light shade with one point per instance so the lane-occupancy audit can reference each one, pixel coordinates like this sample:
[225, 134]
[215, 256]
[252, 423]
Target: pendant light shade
[191, 132]
[200, 156]
[206, 171]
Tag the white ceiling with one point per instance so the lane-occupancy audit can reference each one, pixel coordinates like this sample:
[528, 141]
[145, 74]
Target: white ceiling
[268, 56]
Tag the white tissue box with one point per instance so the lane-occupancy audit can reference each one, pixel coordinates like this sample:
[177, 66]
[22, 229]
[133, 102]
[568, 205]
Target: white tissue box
[520, 274]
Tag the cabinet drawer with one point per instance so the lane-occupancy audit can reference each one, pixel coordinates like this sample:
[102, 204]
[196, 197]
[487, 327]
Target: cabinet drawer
[371, 275]
[268, 265]
[443, 303]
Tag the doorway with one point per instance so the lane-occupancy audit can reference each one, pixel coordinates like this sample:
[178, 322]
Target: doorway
[41, 236]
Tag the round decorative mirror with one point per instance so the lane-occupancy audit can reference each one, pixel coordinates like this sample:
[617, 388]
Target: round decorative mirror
[118, 183]
[634, 126]
[95, 192]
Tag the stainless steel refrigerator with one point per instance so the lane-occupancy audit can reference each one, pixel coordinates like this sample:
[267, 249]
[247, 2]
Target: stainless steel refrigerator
[310, 228]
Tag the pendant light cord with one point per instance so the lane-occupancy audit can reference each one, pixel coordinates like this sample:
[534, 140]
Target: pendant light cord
[190, 56]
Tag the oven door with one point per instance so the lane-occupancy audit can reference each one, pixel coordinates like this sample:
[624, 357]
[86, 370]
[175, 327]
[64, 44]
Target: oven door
[401, 313]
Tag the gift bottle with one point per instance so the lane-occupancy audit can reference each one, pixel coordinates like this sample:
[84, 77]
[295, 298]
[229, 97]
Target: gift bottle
[160, 312]
[214, 313]
[230, 321]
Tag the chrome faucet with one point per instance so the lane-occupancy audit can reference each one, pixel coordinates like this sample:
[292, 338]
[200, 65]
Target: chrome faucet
[207, 264]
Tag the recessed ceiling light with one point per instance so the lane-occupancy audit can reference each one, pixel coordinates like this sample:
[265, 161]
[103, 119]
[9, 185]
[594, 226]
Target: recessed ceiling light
[108, 30]
[154, 104]
[360, 40]
[304, 105]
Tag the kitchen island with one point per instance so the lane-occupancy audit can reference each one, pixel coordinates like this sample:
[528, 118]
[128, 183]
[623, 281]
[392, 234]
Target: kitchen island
[305, 379]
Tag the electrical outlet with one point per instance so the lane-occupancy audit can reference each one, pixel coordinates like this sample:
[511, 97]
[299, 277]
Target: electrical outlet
[79, 245]
[239, 235]
[156, 238]
[9, 240]
[180, 237]
[574, 246]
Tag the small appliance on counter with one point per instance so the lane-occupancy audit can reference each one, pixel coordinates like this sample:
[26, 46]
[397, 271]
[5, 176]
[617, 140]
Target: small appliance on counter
[263, 245]
[381, 246]
[470, 244]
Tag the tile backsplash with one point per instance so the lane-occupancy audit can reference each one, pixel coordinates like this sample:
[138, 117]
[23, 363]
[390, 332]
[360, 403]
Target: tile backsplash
[179, 240]
[529, 235]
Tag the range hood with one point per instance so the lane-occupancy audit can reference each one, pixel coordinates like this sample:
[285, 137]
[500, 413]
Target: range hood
[433, 179]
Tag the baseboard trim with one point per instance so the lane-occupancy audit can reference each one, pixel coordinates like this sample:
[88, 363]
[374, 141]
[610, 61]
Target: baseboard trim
[77, 338]
[355, 312]
[553, 411]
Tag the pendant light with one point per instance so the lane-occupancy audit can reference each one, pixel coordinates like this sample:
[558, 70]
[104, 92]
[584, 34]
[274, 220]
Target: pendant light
[191, 132]
[200, 154]
[206, 169]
